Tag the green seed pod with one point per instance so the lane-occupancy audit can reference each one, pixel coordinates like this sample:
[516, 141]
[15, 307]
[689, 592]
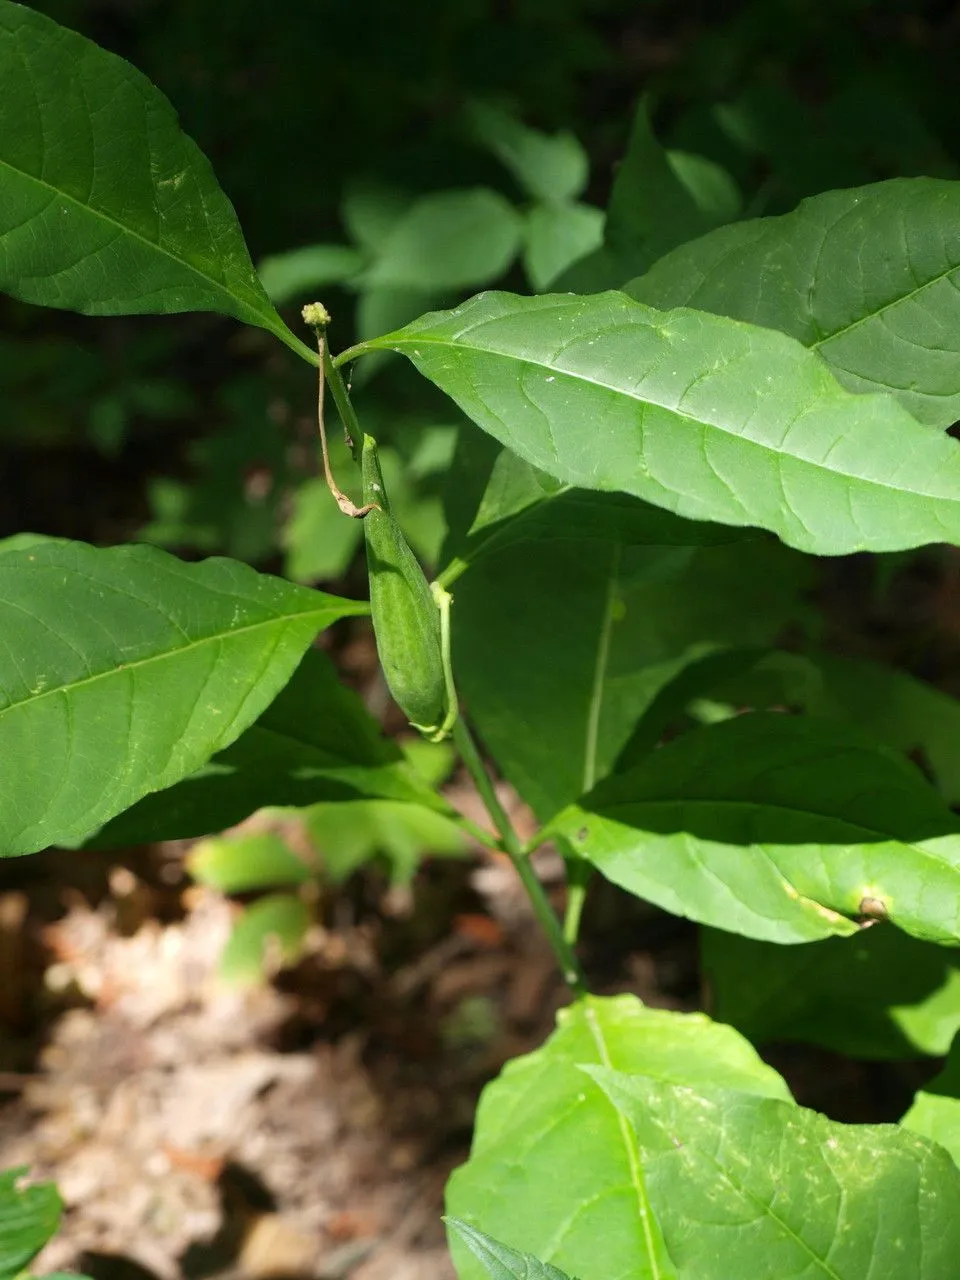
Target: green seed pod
[406, 618]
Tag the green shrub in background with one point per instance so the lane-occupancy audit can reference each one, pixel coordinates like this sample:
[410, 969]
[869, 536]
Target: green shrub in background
[639, 483]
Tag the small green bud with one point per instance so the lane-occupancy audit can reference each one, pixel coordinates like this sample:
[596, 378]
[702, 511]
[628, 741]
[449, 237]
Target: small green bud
[316, 315]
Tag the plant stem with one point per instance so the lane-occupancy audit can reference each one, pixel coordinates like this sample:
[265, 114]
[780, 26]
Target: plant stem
[348, 415]
[567, 960]
[576, 896]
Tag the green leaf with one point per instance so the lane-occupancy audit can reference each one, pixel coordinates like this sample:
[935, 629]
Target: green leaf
[293, 274]
[370, 210]
[657, 201]
[714, 192]
[124, 670]
[18, 541]
[878, 994]
[450, 240]
[750, 1186]
[106, 207]
[935, 1112]
[501, 1262]
[866, 277]
[550, 167]
[318, 541]
[894, 708]
[352, 833]
[703, 415]
[29, 1216]
[891, 706]
[522, 504]
[777, 827]
[556, 236]
[587, 641]
[555, 1170]
[254, 860]
[268, 935]
[315, 741]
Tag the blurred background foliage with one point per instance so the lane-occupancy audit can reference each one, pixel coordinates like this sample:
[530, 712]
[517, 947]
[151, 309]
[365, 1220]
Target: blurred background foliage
[391, 158]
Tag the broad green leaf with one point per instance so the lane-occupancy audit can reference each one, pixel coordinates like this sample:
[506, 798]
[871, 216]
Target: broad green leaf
[29, 1216]
[500, 1261]
[352, 833]
[106, 207]
[866, 277]
[315, 741]
[556, 236]
[712, 674]
[706, 416]
[749, 1186]
[253, 860]
[587, 636]
[123, 670]
[450, 240]
[894, 708]
[268, 935]
[935, 1112]
[301, 271]
[555, 1170]
[778, 827]
[878, 994]
[18, 541]
[551, 167]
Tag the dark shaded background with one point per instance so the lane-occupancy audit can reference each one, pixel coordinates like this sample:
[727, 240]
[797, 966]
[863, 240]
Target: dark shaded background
[293, 101]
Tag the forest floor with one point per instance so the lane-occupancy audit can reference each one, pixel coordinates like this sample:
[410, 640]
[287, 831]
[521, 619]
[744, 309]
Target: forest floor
[300, 1127]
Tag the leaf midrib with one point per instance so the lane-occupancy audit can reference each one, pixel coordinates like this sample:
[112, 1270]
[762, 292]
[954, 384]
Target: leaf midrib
[637, 1180]
[122, 228]
[766, 1209]
[136, 663]
[422, 339]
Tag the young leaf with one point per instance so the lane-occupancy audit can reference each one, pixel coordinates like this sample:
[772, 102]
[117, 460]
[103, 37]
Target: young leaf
[551, 167]
[556, 236]
[449, 240]
[106, 207]
[651, 207]
[125, 669]
[242, 863]
[355, 832]
[750, 1186]
[778, 827]
[553, 1168]
[315, 741]
[267, 935]
[28, 1218]
[867, 277]
[935, 1112]
[499, 1260]
[300, 272]
[706, 416]
[878, 994]
[588, 639]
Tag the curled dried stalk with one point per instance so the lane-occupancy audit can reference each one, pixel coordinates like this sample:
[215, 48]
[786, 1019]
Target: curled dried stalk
[318, 317]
